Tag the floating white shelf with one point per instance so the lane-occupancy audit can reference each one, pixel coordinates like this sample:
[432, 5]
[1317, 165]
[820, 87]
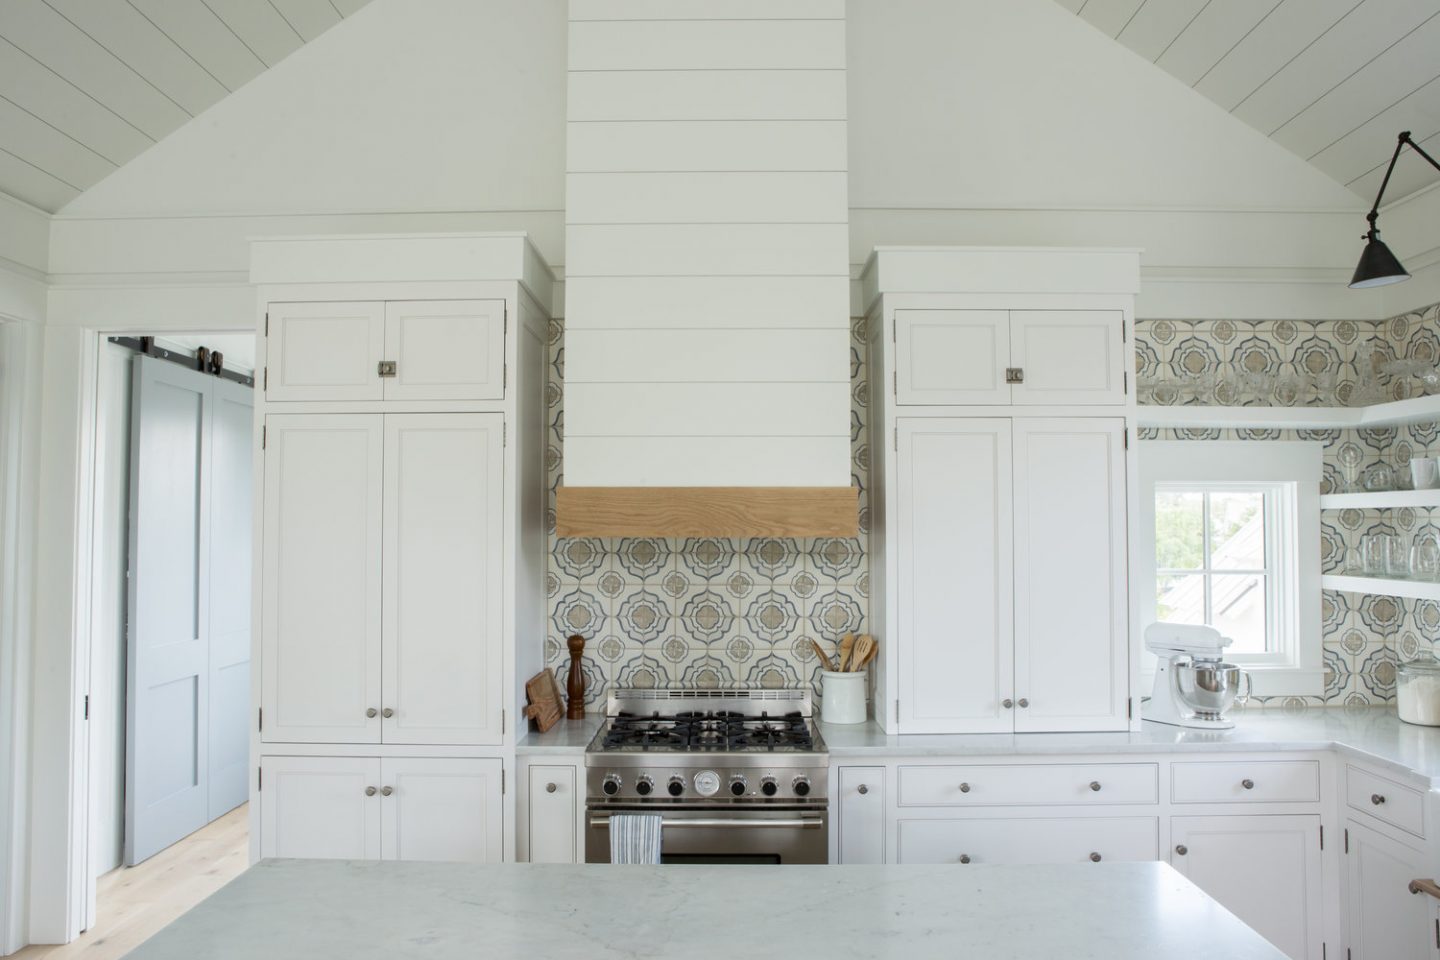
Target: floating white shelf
[1418, 589]
[1381, 500]
[1390, 414]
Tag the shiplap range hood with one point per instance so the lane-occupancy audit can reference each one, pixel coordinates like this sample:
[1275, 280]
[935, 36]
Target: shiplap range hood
[707, 358]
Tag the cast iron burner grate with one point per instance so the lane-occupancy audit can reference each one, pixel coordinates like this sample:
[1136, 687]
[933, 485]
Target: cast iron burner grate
[708, 731]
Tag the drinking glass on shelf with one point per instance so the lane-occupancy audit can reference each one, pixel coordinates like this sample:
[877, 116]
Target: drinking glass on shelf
[1425, 556]
[1397, 557]
[1287, 390]
[1324, 384]
[1372, 554]
[1378, 478]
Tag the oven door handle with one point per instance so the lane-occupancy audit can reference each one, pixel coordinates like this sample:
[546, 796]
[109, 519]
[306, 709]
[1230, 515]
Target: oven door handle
[805, 823]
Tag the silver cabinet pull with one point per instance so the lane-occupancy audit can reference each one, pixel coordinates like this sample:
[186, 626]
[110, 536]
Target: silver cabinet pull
[862, 789]
[1377, 798]
[386, 791]
[386, 368]
[372, 713]
[1182, 849]
[369, 791]
[1248, 784]
[964, 788]
[964, 858]
[1095, 785]
[1007, 703]
[387, 713]
[1095, 858]
[550, 788]
[1023, 703]
[1014, 375]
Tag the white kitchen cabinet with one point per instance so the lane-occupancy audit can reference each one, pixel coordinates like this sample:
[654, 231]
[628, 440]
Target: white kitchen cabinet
[1003, 357]
[430, 349]
[1011, 594]
[367, 808]
[1026, 841]
[553, 807]
[1265, 869]
[1071, 626]
[859, 814]
[1387, 922]
[383, 579]
[953, 543]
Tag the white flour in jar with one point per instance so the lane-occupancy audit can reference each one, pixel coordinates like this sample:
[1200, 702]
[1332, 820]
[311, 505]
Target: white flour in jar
[1418, 699]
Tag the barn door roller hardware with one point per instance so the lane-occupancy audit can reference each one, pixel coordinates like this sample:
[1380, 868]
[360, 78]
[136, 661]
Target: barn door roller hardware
[205, 359]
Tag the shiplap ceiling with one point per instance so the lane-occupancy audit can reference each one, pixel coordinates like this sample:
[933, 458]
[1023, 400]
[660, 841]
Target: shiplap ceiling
[1334, 81]
[86, 85]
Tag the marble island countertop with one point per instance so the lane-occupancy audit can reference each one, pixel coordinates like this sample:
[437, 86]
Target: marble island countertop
[316, 908]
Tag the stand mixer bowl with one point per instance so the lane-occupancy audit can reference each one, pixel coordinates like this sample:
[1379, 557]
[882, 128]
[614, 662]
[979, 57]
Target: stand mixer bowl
[1209, 687]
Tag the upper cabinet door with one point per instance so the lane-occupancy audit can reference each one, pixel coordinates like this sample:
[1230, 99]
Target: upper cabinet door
[441, 809]
[1068, 356]
[323, 808]
[320, 578]
[445, 349]
[951, 356]
[954, 588]
[1071, 624]
[443, 578]
[324, 351]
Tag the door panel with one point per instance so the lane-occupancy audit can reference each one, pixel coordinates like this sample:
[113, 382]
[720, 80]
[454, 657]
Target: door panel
[445, 349]
[553, 814]
[1068, 356]
[324, 351]
[230, 598]
[1387, 922]
[317, 808]
[320, 639]
[442, 810]
[951, 356]
[861, 830]
[442, 578]
[1041, 840]
[954, 546]
[168, 675]
[1071, 623]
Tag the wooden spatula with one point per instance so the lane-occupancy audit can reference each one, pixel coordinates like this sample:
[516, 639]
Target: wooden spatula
[863, 653]
[824, 657]
[847, 648]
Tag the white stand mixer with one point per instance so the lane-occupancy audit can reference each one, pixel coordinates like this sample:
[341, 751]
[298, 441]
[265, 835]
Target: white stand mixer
[1193, 685]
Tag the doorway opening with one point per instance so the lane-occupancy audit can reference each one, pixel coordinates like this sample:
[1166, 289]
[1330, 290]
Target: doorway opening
[170, 608]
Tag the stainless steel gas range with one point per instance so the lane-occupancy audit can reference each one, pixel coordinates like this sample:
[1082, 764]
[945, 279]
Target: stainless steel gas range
[738, 776]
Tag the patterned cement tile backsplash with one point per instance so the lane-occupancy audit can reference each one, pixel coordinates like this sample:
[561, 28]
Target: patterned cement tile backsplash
[704, 612]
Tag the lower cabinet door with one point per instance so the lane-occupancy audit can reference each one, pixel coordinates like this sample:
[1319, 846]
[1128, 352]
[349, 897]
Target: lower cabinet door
[1039, 840]
[859, 820]
[553, 814]
[1264, 869]
[1387, 922]
[320, 807]
[441, 809]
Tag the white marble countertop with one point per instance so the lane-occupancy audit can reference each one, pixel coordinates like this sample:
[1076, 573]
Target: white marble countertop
[567, 736]
[280, 909]
[1372, 734]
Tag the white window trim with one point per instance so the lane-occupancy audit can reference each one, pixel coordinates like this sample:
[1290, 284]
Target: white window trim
[1299, 670]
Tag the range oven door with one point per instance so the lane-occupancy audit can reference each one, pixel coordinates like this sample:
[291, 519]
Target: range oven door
[722, 834]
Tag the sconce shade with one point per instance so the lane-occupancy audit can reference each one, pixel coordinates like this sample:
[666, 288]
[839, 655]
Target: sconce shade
[1378, 266]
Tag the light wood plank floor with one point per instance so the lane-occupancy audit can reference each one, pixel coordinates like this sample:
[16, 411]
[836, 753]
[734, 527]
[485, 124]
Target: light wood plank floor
[131, 904]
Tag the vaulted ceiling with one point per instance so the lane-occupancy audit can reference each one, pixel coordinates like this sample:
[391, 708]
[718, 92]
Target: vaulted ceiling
[1334, 81]
[86, 85]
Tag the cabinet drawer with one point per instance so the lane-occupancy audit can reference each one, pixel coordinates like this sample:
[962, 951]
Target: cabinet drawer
[1020, 841]
[1274, 781]
[982, 785]
[1385, 800]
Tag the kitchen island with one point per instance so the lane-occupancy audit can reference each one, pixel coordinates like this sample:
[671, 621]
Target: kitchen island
[282, 909]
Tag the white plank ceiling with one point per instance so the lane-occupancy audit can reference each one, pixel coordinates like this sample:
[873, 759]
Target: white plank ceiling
[1334, 81]
[86, 85]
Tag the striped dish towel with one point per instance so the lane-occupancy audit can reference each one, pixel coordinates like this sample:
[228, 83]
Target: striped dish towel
[634, 838]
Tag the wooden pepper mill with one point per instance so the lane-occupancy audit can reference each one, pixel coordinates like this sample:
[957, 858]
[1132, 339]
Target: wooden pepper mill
[575, 683]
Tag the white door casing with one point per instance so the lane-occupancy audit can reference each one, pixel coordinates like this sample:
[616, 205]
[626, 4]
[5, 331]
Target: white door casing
[324, 351]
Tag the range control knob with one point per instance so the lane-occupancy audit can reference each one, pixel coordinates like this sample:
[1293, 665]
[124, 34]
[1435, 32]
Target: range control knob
[677, 786]
[768, 787]
[611, 784]
[738, 785]
[707, 783]
[801, 786]
[644, 785]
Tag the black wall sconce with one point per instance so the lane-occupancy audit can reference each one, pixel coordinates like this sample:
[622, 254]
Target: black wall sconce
[1378, 266]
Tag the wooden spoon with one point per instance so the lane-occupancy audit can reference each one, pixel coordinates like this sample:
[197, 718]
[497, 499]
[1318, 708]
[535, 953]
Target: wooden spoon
[822, 655]
[864, 652]
[847, 647]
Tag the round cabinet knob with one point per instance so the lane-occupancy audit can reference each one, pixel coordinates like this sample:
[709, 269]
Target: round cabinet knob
[550, 788]
[1377, 798]
[644, 786]
[1007, 703]
[1181, 849]
[862, 789]
[676, 786]
[1095, 858]
[369, 791]
[964, 858]
[611, 785]
[372, 713]
[1095, 785]
[386, 791]
[801, 786]
[768, 787]
[964, 788]
[1248, 784]
[1024, 703]
[738, 786]
[387, 713]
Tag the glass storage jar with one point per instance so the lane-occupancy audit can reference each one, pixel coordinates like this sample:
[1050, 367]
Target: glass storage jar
[1417, 691]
